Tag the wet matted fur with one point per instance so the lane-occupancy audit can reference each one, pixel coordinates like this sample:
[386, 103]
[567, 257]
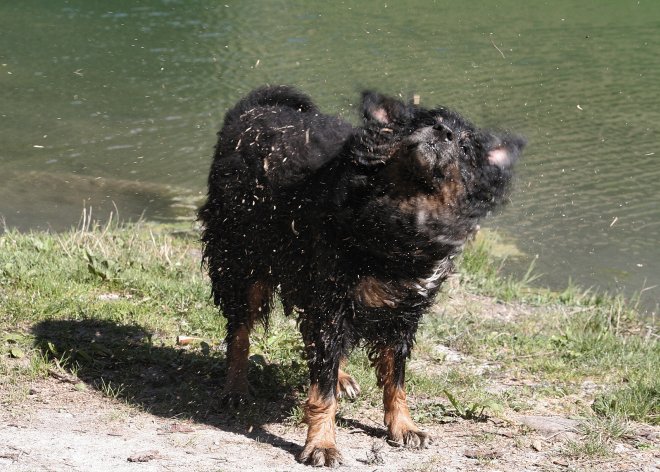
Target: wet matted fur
[354, 228]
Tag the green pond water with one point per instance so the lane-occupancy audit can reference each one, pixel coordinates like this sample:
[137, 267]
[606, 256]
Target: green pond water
[113, 106]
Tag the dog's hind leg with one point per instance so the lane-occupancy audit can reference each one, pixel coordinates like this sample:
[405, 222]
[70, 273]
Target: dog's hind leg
[390, 364]
[241, 317]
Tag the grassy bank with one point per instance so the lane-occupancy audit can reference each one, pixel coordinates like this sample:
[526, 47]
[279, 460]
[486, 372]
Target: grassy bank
[102, 308]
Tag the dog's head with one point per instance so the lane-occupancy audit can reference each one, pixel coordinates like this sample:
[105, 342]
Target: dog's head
[431, 170]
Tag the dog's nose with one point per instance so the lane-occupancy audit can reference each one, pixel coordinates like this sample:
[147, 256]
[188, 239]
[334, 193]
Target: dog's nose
[444, 132]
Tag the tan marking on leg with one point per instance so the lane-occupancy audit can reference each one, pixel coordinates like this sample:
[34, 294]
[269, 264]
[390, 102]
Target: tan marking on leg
[320, 447]
[401, 429]
[258, 297]
[237, 359]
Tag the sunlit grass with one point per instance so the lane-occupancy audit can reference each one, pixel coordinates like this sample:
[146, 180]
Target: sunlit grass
[107, 304]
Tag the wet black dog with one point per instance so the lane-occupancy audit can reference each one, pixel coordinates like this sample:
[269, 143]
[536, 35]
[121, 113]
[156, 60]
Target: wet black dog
[354, 228]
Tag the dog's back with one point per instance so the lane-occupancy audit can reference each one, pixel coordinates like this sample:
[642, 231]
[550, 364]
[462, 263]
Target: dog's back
[270, 147]
[276, 136]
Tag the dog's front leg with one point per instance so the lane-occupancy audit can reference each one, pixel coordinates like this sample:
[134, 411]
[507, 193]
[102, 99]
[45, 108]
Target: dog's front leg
[320, 445]
[323, 356]
[390, 364]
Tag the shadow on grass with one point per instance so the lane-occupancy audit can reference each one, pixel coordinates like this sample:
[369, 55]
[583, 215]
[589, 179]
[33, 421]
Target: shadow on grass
[169, 381]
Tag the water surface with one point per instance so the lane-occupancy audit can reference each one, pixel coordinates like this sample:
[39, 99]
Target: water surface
[115, 105]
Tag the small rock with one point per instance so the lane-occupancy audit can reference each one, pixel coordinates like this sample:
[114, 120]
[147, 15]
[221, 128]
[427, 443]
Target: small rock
[561, 462]
[176, 428]
[537, 445]
[589, 386]
[551, 426]
[620, 449]
[144, 456]
[482, 454]
[448, 354]
[649, 433]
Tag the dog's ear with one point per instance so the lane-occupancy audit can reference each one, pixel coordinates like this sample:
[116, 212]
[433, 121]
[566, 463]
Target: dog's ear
[503, 150]
[383, 110]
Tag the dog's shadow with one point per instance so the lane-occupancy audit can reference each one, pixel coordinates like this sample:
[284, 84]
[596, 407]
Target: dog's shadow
[123, 362]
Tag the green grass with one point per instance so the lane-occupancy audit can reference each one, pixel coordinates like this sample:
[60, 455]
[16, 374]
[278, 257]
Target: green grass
[597, 436]
[638, 400]
[558, 339]
[107, 303]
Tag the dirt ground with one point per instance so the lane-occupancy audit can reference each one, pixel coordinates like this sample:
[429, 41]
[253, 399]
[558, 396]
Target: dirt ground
[63, 427]
[66, 425]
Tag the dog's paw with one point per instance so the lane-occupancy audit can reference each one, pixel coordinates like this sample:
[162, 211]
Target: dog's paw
[347, 387]
[410, 438]
[319, 456]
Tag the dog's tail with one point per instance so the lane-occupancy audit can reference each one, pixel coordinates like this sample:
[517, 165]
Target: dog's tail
[272, 96]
